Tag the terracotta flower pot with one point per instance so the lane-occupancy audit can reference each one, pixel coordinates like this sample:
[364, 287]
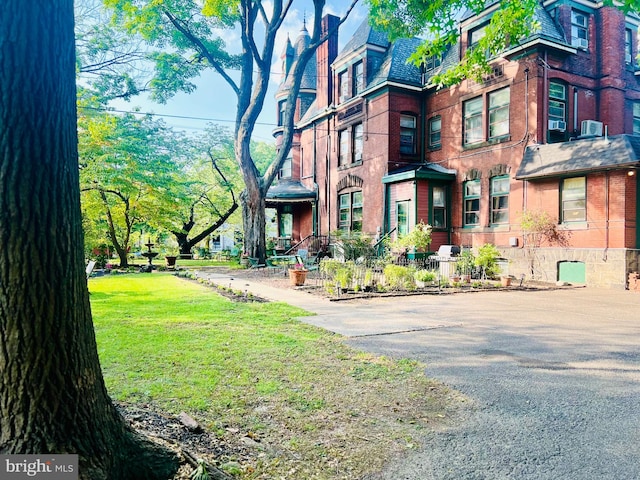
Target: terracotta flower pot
[297, 277]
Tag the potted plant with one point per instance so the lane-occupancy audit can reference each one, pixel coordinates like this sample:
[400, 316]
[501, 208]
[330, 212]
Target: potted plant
[424, 277]
[170, 257]
[416, 242]
[298, 274]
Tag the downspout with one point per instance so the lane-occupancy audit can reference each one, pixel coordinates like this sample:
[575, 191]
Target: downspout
[575, 110]
[423, 130]
[526, 126]
[316, 210]
[637, 209]
[545, 118]
[606, 216]
[328, 176]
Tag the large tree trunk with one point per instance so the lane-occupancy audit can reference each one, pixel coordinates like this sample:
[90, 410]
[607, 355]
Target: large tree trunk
[253, 221]
[52, 395]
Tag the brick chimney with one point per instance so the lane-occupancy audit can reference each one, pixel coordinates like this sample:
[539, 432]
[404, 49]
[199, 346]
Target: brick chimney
[325, 55]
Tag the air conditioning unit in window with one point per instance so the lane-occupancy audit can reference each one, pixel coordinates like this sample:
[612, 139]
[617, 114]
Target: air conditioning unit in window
[557, 125]
[591, 128]
[581, 43]
[627, 58]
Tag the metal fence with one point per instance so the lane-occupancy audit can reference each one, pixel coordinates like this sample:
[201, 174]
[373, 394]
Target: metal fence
[393, 273]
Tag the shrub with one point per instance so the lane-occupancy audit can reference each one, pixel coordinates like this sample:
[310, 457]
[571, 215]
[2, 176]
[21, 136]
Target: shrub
[419, 238]
[398, 277]
[344, 276]
[425, 276]
[487, 260]
[466, 262]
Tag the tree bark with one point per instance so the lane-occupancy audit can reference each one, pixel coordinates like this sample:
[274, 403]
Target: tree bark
[52, 394]
[254, 223]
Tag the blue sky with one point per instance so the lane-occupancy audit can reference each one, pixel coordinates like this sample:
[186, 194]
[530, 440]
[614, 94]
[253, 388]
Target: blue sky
[214, 101]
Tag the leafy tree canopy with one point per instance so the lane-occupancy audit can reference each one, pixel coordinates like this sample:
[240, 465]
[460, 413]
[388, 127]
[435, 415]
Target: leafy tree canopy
[437, 22]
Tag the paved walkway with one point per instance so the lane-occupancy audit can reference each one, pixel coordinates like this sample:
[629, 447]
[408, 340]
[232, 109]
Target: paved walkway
[553, 376]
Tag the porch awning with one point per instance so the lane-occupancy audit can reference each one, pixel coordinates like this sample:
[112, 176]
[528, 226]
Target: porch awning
[427, 171]
[580, 156]
[290, 191]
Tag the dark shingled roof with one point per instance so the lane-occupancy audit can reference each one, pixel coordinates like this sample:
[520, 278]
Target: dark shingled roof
[365, 34]
[394, 66]
[309, 75]
[580, 156]
[289, 191]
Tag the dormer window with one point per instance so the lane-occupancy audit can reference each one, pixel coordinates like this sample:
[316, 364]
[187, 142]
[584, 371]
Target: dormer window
[344, 86]
[433, 62]
[579, 29]
[476, 34]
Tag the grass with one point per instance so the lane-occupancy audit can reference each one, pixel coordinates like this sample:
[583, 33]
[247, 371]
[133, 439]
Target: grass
[325, 410]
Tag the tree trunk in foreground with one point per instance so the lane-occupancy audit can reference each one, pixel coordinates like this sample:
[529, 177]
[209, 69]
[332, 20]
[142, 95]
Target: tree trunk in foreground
[52, 395]
[253, 222]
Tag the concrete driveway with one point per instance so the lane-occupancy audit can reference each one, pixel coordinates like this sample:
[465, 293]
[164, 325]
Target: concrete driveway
[552, 377]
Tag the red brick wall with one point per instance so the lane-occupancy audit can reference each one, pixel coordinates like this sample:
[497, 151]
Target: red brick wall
[423, 205]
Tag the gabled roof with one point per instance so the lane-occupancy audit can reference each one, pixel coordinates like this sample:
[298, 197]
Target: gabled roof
[548, 27]
[580, 156]
[393, 64]
[395, 68]
[365, 34]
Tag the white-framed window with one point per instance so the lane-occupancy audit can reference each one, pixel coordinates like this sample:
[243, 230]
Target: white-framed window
[435, 132]
[628, 46]
[499, 112]
[358, 77]
[439, 207]
[636, 118]
[285, 169]
[579, 29]
[557, 101]
[432, 62]
[344, 86]
[350, 145]
[343, 147]
[357, 132]
[471, 203]
[476, 34]
[473, 121]
[402, 217]
[500, 200]
[573, 192]
[350, 213]
[408, 132]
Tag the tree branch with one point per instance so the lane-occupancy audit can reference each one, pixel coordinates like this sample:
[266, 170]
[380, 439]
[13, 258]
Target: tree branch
[204, 51]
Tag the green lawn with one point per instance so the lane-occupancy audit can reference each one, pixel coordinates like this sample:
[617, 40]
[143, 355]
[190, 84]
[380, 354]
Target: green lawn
[252, 367]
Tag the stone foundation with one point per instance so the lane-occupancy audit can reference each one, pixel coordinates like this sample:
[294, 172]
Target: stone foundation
[604, 268]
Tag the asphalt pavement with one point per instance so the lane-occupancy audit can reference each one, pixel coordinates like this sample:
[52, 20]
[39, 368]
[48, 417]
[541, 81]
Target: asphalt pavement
[552, 377]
